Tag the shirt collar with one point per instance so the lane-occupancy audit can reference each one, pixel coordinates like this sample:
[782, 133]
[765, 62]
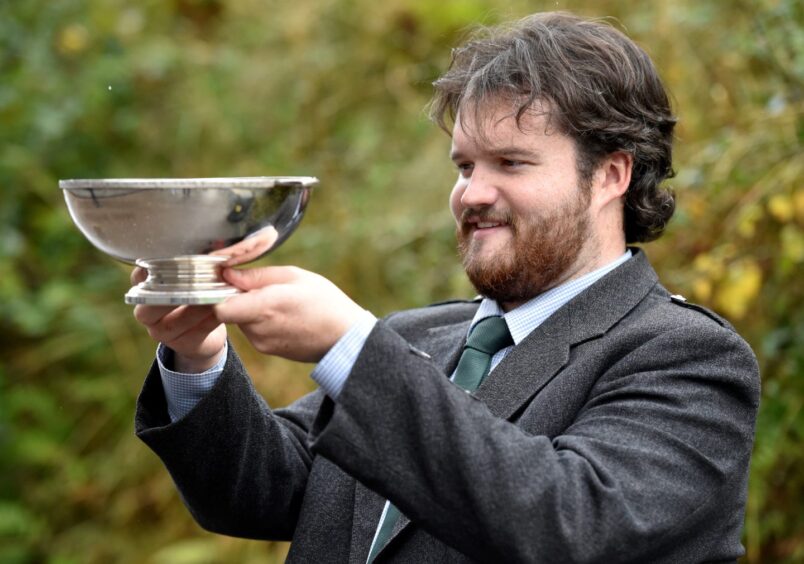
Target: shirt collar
[527, 317]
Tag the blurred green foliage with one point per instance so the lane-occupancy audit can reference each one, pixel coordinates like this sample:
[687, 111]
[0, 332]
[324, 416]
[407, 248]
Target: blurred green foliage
[335, 88]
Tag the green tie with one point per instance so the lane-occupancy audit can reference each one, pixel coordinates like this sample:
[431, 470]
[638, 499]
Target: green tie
[487, 337]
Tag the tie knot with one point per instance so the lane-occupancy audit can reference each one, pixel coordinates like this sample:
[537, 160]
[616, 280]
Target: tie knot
[490, 335]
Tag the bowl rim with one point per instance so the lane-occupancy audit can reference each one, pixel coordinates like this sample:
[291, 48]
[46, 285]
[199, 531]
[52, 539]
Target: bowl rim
[222, 183]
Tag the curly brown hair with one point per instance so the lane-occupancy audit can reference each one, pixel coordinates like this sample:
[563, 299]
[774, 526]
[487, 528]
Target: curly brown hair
[602, 90]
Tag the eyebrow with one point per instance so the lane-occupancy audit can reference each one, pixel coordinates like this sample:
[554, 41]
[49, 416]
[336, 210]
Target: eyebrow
[507, 152]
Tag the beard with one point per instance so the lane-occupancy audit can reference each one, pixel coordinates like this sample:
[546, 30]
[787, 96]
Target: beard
[540, 255]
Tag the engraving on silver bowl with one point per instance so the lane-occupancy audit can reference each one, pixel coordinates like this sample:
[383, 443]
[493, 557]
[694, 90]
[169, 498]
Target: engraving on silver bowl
[183, 231]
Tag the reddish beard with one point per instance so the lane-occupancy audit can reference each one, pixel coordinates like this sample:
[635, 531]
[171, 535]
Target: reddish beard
[542, 251]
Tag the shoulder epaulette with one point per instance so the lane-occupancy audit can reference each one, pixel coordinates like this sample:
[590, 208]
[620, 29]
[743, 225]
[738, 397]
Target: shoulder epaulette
[680, 300]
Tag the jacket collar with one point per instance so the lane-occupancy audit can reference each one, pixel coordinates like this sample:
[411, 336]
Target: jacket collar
[588, 315]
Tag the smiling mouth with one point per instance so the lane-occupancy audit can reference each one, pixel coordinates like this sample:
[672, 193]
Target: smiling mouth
[477, 221]
[477, 225]
[481, 230]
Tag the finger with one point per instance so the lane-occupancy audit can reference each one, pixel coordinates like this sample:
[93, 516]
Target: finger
[253, 278]
[138, 275]
[197, 335]
[209, 325]
[243, 308]
[149, 315]
[180, 322]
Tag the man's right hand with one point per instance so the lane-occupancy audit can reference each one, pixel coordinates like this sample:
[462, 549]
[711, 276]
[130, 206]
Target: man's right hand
[196, 337]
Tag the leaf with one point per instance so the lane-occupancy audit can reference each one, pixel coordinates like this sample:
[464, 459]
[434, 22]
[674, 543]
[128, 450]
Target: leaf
[738, 290]
[781, 207]
[17, 521]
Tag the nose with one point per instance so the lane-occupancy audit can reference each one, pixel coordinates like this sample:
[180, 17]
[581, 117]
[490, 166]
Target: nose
[480, 190]
[477, 192]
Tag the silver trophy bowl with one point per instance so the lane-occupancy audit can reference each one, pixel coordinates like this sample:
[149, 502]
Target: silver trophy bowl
[184, 231]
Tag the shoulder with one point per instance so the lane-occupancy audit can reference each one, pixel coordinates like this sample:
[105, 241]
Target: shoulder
[680, 301]
[675, 310]
[679, 325]
[687, 329]
[667, 336]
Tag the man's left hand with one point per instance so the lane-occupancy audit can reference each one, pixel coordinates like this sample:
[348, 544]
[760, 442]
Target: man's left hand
[288, 312]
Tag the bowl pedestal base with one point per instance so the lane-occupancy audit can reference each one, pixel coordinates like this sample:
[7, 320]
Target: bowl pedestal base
[185, 280]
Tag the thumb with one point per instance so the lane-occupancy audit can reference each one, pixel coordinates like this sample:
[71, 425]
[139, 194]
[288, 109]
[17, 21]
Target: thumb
[239, 309]
[255, 278]
[139, 274]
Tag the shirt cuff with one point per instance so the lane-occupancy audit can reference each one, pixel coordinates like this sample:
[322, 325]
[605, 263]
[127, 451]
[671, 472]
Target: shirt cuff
[332, 371]
[184, 391]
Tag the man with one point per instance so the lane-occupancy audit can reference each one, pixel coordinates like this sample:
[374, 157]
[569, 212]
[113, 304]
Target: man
[606, 420]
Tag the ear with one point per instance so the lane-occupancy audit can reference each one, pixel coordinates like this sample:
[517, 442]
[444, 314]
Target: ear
[613, 177]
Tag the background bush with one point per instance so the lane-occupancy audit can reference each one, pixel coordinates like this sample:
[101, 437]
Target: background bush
[335, 88]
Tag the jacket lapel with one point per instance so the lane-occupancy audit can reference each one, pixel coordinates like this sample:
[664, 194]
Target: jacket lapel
[528, 367]
[367, 511]
[444, 344]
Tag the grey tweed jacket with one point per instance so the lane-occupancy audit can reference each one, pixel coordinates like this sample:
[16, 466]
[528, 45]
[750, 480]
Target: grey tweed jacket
[620, 430]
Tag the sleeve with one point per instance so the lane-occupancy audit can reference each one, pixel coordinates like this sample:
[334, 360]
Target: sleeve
[656, 452]
[184, 391]
[241, 468]
[332, 371]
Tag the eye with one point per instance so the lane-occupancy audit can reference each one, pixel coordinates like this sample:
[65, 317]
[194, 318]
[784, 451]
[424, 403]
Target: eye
[465, 168]
[508, 163]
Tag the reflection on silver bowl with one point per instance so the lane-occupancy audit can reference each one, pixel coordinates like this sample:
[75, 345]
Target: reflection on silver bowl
[184, 230]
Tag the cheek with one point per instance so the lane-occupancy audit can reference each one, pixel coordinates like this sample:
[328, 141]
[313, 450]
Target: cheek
[455, 200]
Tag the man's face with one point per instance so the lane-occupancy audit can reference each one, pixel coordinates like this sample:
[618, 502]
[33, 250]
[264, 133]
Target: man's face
[522, 216]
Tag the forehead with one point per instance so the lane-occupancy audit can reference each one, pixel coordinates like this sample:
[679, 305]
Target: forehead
[492, 123]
